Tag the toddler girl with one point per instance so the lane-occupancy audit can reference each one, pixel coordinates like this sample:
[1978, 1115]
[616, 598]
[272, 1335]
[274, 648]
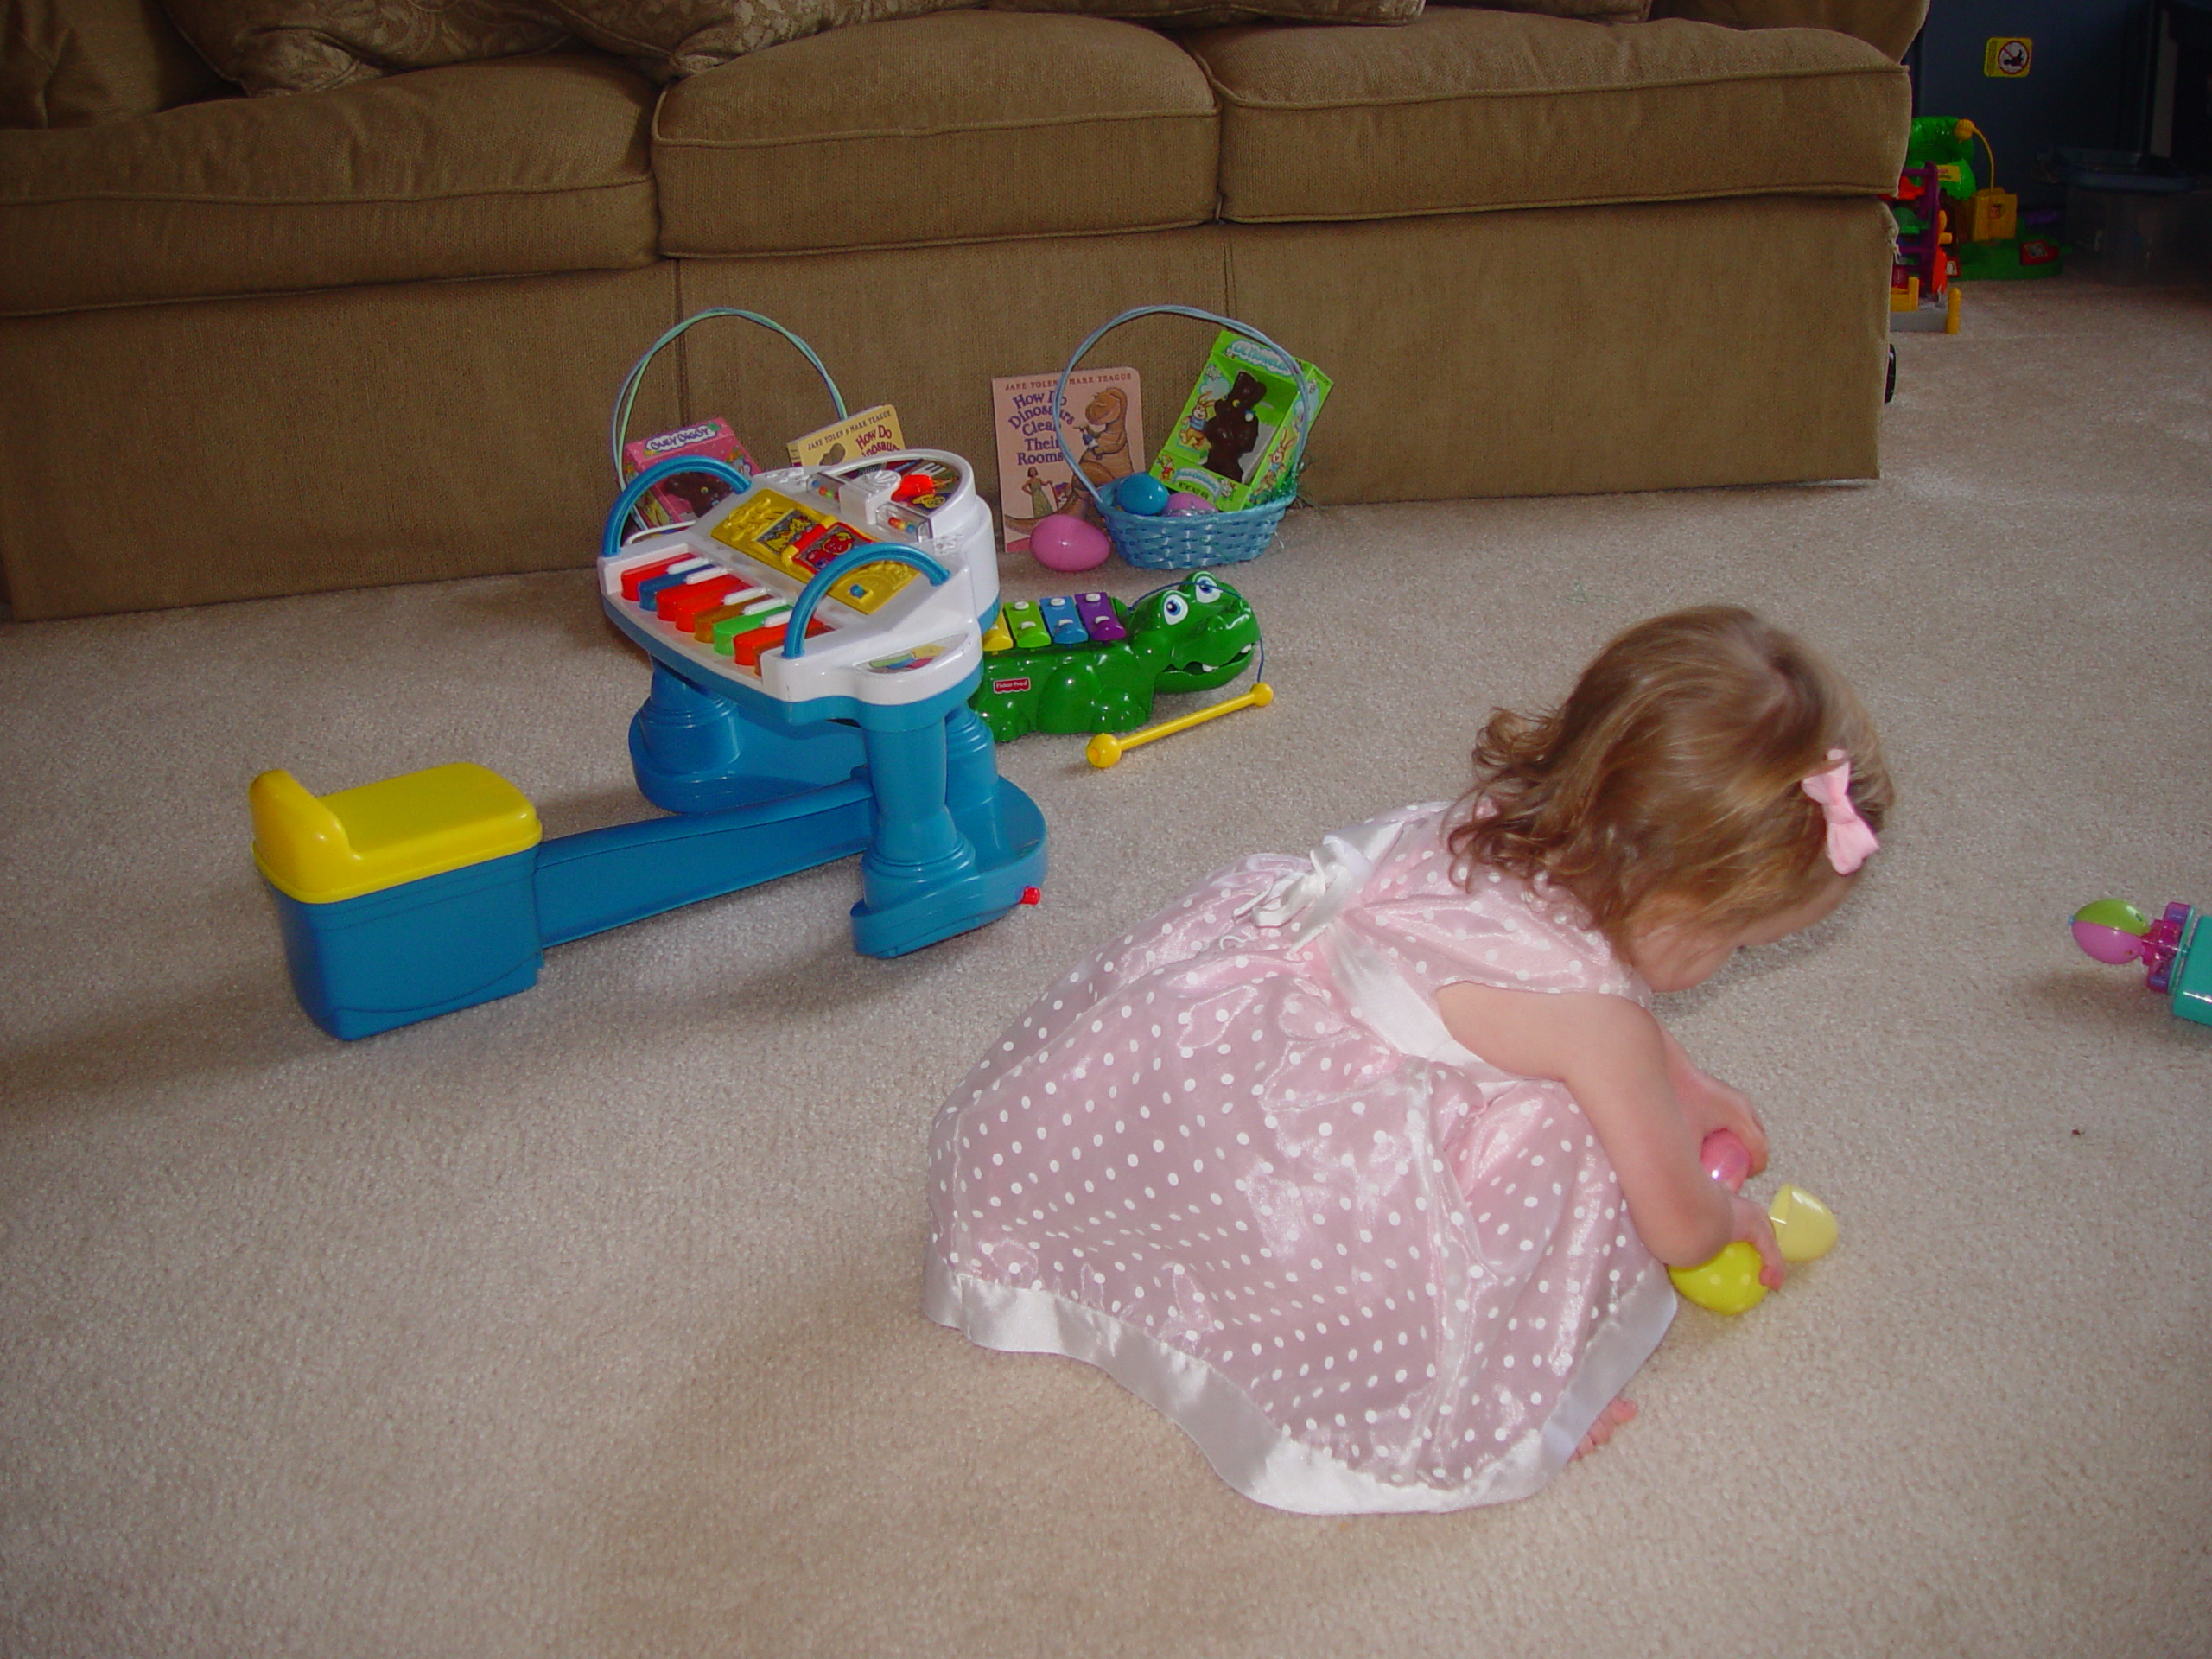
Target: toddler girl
[1363, 1167]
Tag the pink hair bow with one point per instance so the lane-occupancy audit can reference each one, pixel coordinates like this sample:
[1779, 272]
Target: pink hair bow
[1849, 839]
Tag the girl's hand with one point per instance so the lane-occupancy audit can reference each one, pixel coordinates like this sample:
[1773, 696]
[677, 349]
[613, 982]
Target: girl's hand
[1719, 1107]
[1756, 1229]
[1711, 1104]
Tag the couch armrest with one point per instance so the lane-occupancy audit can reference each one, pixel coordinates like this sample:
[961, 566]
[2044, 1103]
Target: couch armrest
[70, 63]
[1886, 25]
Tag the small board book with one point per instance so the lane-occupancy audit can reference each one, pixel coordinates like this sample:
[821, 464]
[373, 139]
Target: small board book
[872, 432]
[1242, 431]
[687, 496]
[1104, 416]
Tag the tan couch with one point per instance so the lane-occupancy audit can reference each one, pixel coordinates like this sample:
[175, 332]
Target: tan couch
[258, 345]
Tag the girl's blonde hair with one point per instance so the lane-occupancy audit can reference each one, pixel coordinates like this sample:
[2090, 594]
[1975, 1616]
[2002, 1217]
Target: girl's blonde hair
[1669, 780]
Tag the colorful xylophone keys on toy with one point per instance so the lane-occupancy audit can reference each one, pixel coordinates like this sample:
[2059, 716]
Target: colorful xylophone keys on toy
[1062, 623]
[1026, 621]
[1066, 619]
[1100, 619]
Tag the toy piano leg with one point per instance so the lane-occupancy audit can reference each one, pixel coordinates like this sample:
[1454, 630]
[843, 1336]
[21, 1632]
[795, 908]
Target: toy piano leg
[693, 750]
[955, 845]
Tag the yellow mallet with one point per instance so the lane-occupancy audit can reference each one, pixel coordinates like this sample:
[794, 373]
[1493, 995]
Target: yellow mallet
[1106, 748]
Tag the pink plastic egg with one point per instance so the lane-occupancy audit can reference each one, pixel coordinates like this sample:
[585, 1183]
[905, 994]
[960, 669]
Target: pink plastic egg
[1063, 541]
[1727, 1160]
[1182, 504]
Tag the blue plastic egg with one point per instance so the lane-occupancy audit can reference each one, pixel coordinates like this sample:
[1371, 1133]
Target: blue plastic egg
[1140, 493]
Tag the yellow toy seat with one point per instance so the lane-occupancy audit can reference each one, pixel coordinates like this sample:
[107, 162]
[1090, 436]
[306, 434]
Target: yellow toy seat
[320, 849]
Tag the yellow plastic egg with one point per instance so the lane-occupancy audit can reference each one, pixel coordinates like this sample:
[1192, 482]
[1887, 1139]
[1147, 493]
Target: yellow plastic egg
[1803, 1226]
[1727, 1284]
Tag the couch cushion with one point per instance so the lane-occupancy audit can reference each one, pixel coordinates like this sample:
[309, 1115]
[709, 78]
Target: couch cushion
[1468, 110]
[66, 63]
[526, 166]
[960, 127]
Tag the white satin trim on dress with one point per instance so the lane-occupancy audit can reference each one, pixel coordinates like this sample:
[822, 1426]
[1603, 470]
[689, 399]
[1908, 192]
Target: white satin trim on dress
[1259, 1459]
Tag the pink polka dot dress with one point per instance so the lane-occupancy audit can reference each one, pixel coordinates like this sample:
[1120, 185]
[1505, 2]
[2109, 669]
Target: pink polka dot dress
[1235, 1160]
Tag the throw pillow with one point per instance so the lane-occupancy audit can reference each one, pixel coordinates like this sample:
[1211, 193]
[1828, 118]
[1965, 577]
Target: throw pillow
[310, 46]
[670, 39]
[70, 63]
[1596, 11]
[1208, 14]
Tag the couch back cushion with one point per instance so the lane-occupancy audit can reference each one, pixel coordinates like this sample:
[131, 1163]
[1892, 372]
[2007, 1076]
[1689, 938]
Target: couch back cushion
[1207, 14]
[68, 63]
[1466, 111]
[312, 46]
[1603, 12]
[1888, 25]
[525, 166]
[966, 126]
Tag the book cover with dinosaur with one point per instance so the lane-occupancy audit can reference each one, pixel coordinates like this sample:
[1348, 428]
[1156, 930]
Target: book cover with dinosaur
[1104, 415]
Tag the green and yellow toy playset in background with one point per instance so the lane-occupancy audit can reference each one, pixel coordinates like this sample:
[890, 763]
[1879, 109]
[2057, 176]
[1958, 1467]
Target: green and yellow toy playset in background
[1953, 228]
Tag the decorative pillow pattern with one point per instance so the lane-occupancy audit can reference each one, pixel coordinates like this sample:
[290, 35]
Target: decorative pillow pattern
[310, 46]
[670, 39]
[1209, 14]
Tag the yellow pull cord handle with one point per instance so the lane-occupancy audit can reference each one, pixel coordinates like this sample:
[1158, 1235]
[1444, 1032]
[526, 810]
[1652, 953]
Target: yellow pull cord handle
[1106, 748]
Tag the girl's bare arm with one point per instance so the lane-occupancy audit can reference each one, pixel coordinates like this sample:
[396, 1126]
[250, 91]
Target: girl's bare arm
[1612, 1056]
[1712, 1104]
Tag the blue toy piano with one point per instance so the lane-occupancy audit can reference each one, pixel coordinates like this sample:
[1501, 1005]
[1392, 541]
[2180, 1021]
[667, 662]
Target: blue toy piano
[814, 639]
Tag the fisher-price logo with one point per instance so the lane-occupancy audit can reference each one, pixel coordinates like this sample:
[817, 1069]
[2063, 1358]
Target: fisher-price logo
[1003, 688]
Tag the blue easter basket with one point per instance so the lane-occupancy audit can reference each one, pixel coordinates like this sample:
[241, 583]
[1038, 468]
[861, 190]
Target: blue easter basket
[1188, 541]
[618, 425]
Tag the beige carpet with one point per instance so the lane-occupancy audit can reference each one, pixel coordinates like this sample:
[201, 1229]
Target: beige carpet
[586, 1323]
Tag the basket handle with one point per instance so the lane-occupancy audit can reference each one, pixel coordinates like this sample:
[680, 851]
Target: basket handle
[831, 573]
[610, 539]
[618, 428]
[1059, 394]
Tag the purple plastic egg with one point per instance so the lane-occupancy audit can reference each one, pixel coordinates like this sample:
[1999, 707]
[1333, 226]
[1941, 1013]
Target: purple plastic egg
[1182, 504]
[1063, 541]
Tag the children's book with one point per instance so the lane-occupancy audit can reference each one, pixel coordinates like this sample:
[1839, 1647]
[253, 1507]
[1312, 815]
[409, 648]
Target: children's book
[1104, 414]
[871, 432]
[1245, 427]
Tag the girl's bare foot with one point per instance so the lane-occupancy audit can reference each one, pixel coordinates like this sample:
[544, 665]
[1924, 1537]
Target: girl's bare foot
[1609, 1422]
